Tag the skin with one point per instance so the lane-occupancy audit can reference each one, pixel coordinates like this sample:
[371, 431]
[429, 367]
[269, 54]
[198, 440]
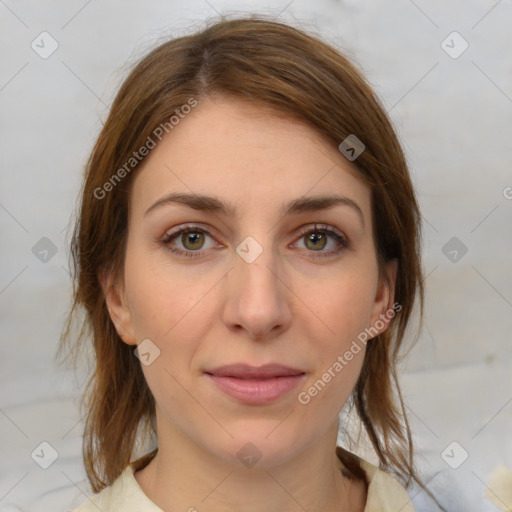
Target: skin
[287, 306]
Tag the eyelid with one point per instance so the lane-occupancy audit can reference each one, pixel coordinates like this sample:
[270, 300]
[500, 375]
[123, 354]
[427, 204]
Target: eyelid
[183, 228]
[317, 226]
[343, 243]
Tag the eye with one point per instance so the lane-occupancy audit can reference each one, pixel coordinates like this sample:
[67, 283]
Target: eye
[320, 237]
[188, 240]
[191, 240]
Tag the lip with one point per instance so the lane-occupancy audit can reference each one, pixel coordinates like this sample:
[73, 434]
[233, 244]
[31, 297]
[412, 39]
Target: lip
[256, 384]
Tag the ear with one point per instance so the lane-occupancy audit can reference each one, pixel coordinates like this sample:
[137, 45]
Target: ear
[384, 309]
[117, 306]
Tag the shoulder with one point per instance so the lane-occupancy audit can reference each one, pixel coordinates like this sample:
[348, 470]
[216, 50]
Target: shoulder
[123, 494]
[385, 492]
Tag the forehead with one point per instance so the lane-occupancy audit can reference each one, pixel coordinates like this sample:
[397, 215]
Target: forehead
[249, 153]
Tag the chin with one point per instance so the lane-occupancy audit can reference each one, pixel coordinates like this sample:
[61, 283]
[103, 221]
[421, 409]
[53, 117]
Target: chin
[255, 448]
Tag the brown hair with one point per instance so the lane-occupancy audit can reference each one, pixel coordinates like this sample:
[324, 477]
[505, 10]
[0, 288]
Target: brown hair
[298, 75]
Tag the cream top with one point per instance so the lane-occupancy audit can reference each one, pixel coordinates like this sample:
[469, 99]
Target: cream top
[385, 494]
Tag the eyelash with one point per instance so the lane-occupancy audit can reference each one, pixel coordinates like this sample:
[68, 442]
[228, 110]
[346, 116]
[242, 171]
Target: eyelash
[317, 228]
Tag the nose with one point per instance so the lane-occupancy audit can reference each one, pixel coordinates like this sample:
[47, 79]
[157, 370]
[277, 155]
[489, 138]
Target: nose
[257, 297]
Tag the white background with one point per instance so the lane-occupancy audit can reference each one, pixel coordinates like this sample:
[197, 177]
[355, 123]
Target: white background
[454, 117]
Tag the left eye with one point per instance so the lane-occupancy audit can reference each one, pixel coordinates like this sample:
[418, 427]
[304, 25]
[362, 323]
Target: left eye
[318, 239]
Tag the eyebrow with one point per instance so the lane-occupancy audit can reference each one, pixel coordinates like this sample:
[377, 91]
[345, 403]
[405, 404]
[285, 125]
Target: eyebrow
[215, 205]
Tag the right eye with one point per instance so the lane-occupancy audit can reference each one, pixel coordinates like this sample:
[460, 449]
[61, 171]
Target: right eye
[189, 239]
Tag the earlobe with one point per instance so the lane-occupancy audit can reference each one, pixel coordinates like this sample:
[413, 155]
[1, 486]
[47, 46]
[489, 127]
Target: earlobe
[384, 308]
[116, 305]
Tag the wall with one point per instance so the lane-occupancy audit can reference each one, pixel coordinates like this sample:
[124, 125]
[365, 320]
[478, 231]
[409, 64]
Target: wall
[453, 111]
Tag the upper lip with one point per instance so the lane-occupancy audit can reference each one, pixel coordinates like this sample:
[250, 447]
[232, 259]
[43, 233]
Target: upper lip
[245, 371]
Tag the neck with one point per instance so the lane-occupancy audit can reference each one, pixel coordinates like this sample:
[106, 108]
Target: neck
[183, 476]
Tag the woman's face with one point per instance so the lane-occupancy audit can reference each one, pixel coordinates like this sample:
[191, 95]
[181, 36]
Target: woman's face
[278, 267]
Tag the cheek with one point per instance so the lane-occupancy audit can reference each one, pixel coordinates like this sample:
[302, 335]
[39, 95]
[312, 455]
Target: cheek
[162, 299]
[344, 303]
[172, 310]
[338, 357]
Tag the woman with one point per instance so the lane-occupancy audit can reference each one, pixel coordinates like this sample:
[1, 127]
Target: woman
[247, 253]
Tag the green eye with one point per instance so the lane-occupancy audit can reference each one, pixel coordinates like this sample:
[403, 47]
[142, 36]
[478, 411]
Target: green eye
[316, 241]
[322, 240]
[192, 240]
[188, 241]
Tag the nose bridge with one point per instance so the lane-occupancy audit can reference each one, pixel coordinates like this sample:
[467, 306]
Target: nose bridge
[253, 266]
[256, 298]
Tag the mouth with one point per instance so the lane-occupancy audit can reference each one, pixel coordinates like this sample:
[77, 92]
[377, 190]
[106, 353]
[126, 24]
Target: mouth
[256, 385]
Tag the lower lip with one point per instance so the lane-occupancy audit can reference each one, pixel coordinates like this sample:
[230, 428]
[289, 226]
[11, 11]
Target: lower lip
[257, 391]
